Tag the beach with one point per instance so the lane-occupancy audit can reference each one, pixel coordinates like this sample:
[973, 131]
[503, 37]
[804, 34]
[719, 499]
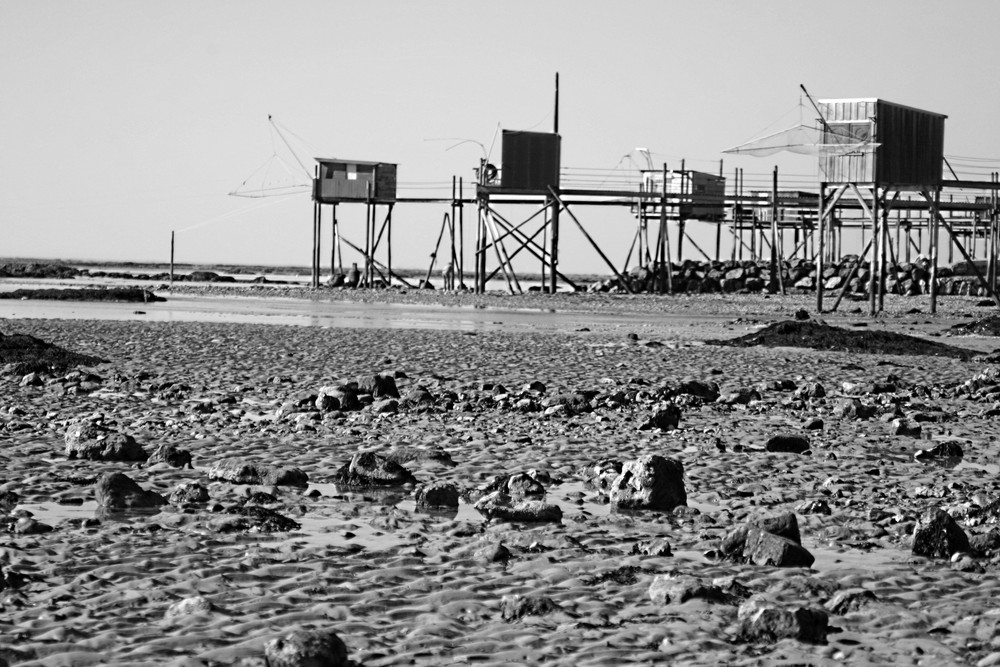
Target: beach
[543, 385]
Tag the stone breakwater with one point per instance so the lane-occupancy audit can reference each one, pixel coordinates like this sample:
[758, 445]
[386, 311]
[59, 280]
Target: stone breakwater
[251, 494]
[799, 275]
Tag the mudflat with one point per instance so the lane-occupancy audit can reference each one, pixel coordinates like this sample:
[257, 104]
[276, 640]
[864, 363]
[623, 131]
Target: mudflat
[230, 562]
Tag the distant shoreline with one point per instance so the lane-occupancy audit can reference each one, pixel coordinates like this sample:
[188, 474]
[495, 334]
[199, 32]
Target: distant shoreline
[256, 269]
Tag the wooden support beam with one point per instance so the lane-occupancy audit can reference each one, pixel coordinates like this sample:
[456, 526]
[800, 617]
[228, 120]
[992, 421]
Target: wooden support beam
[394, 275]
[600, 252]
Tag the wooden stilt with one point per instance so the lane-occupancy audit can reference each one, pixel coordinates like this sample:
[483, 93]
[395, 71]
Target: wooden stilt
[932, 239]
[388, 244]
[821, 218]
[873, 275]
[171, 257]
[461, 237]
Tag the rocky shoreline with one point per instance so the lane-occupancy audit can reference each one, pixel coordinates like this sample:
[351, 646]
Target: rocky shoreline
[241, 494]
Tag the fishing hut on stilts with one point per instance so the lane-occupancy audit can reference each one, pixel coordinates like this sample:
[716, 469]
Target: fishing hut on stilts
[373, 184]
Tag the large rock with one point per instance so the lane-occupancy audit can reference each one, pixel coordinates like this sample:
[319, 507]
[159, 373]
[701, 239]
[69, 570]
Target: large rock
[436, 494]
[601, 474]
[937, 535]
[665, 419]
[518, 485]
[371, 469]
[501, 506]
[307, 648]
[649, 482]
[240, 471]
[90, 439]
[338, 397]
[118, 491]
[767, 623]
[513, 607]
[171, 455]
[772, 541]
[673, 589]
[379, 386]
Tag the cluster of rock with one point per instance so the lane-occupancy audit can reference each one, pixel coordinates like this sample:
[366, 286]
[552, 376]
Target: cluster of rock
[748, 276]
[37, 270]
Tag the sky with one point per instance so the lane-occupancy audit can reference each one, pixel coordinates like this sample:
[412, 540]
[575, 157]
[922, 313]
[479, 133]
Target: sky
[123, 121]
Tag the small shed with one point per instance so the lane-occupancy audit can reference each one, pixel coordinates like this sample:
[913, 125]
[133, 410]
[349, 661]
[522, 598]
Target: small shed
[704, 194]
[530, 161]
[350, 180]
[882, 143]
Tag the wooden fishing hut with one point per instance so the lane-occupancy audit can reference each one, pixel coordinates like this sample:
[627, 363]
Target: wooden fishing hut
[373, 184]
[877, 153]
[529, 173]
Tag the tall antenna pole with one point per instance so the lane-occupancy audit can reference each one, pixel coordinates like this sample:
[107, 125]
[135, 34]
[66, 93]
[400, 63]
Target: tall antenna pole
[555, 128]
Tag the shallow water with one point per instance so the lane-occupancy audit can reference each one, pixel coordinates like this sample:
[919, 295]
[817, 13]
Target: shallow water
[329, 314]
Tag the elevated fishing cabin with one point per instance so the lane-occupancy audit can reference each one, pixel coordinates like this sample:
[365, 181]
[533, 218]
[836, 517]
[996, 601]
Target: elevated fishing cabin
[354, 181]
[878, 154]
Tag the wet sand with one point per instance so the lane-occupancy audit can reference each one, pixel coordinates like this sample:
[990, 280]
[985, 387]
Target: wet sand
[402, 586]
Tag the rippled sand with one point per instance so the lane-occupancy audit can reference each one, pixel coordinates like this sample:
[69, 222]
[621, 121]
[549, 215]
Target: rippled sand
[406, 587]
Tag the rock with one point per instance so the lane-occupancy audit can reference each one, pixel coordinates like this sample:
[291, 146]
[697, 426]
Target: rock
[117, 491]
[810, 390]
[11, 579]
[370, 469]
[601, 474]
[513, 607]
[773, 541]
[385, 406]
[937, 535]
[665, 419]
[815, 507]
[338, 397]
[517, 485]
[241, 471]
[188, 492]
[256, 519]
[948, 449]
[190, 606]
[706, 391]
[985, 543]
[902, 426]
[649, 482]
[307, 648]
[494, 552]
[417, 397]
[26, 525]
[660, 547]
[171, 455]
[852, 408]
[787, 443]
[813, 424]
[844, 602]
[378, 386]
[436, 494]
[90, 439]
[674, 589]
[501, 506]
[741, 396]
[764, 548]
[761, 622]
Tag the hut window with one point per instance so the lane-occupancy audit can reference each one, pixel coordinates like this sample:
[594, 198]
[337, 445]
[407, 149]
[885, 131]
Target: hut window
[352, 172]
